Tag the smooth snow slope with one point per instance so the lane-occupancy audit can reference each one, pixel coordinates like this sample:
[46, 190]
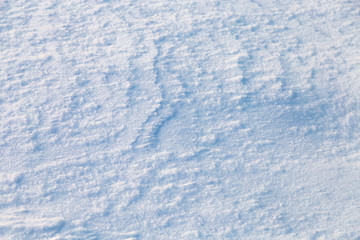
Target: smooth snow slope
[161, 119]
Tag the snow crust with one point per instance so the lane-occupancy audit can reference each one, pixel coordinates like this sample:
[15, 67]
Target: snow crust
[160, 119]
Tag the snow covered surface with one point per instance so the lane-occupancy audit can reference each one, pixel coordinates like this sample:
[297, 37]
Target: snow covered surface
[162, 119]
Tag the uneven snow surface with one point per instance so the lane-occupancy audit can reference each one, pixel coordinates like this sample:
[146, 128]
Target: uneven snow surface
[164, 119]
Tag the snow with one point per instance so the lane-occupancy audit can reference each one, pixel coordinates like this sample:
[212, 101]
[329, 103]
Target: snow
[185, 119]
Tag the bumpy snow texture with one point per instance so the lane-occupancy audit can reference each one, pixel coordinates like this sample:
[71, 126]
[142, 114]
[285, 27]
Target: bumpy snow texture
[191, 119]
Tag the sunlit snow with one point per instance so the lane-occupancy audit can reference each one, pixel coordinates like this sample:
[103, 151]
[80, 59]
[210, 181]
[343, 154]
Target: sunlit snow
[164, 119]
